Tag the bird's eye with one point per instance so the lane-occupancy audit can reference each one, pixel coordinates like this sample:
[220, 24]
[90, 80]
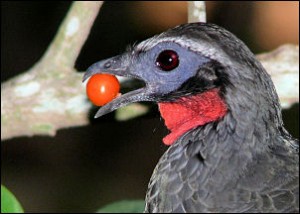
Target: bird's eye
[167, 60]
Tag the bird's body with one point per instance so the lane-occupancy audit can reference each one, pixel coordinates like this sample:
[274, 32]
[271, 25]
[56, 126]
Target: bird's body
[215, 171]
[229, 150]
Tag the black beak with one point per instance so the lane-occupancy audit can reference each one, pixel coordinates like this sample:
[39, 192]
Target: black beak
[118, 65]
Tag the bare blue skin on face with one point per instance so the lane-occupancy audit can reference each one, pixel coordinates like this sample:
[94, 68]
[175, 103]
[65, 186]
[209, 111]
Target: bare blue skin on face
[158, 82]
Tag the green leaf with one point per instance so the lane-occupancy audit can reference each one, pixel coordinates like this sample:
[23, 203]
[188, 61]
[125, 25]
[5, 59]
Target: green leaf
[9, 203]
[126, 206]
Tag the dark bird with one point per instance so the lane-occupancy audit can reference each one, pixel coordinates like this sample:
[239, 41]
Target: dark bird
[229, 150]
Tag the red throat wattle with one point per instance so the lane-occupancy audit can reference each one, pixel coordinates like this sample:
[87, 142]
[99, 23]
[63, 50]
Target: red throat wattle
[187, 113]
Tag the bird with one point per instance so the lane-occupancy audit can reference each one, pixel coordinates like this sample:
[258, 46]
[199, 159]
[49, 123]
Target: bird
[228, 150]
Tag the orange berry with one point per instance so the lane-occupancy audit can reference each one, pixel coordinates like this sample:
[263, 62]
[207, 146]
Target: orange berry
[102, 88]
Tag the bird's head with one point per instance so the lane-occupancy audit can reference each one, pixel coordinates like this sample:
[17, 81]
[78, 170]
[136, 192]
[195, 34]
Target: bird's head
[190, 71]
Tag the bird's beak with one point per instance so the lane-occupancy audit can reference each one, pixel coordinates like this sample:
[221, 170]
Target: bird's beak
[118, 65]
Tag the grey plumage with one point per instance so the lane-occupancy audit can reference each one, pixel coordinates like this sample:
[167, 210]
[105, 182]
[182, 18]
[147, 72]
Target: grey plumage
[209, 171]
[243, 162]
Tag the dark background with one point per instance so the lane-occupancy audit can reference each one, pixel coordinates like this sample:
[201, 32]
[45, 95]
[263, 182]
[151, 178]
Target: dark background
[84, 168]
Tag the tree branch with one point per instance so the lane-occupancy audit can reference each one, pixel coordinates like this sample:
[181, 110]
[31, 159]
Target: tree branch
[196, 11]
[283, 66]
[50, 95]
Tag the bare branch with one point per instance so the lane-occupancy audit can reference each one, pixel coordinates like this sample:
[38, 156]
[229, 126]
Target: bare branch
[72, 33]
[50, 95]
[196, 11]
[283, 66]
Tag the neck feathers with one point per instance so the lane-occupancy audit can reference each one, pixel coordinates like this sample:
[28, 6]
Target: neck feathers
[187, 113]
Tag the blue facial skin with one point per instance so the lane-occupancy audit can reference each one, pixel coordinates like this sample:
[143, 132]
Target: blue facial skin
[162, 82]
[142, 65]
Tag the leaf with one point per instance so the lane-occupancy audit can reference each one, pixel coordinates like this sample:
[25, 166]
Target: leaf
[9, 203]
[126, 206]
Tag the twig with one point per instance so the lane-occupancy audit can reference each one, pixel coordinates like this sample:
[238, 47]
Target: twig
[283, 66]
[50, 95]
[196, 11]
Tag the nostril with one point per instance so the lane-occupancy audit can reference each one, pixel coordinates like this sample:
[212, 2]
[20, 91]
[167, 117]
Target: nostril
[107, 65]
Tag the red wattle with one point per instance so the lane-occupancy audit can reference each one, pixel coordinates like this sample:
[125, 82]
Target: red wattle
[187, 113]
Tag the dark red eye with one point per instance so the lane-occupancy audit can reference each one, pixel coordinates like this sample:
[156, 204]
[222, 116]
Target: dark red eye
[167, 60]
